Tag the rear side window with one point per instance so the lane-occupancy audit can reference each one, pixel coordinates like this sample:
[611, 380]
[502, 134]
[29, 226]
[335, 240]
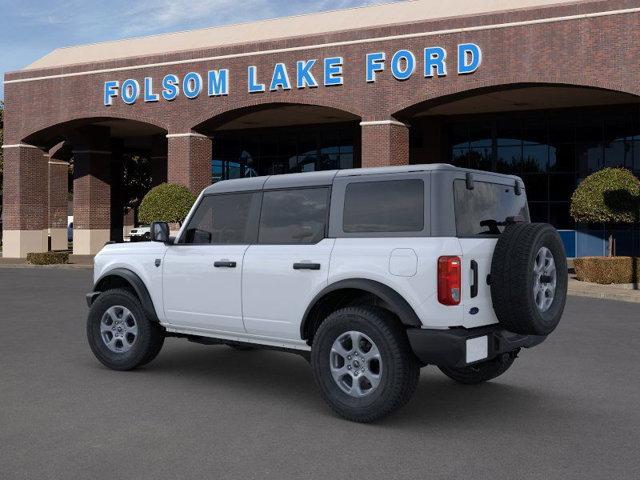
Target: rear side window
[224, 219]
[297, 216]
[386, 206]
[484, 210]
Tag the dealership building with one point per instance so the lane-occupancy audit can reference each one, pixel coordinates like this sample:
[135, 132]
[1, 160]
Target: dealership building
[544, 89]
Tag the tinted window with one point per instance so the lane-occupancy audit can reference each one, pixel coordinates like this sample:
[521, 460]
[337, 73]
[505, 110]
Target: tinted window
[484, 210]
[390, 206]
[224, 219]
[294, 216]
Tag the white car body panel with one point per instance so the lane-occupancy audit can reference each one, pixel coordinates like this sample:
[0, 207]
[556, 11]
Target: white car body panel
[140, 258]
[198, 295]
[480, 250]
[370, 259]
[274, 295]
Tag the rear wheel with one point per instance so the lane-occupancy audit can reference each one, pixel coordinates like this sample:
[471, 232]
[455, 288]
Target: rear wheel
[119, 332]
[480, 372]
[363, 364]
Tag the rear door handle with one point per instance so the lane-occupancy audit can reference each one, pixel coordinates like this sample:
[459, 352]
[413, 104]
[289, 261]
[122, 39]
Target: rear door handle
[474, 287]
[306, 266]
[224, 264]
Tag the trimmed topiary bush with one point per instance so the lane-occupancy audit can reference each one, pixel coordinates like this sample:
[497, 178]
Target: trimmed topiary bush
[166, 203]
[48, 258]
[606, 270]
[611, 195]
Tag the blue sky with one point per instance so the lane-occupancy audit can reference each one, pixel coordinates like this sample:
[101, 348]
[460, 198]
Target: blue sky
[30, 29]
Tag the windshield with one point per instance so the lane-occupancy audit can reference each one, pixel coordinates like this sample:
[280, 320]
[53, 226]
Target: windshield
[485, 209]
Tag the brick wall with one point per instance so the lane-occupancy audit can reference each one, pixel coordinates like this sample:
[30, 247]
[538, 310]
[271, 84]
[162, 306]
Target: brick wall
[599, 52]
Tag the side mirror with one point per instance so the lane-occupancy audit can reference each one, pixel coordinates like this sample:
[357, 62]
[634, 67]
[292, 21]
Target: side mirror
[160, 232]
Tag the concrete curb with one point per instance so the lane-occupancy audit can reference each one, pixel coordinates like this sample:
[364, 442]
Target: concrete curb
[64, 266]
[623, 293]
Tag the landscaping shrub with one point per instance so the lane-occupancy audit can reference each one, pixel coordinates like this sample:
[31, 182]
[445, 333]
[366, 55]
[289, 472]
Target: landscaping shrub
[611, 195]
[166, 203]
[606, 270]
[48, 258]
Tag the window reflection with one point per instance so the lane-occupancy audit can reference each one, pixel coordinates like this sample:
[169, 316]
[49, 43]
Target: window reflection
[550, 150]
[250, 153]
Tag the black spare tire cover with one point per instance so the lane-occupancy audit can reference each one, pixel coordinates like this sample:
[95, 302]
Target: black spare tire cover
[529, 278]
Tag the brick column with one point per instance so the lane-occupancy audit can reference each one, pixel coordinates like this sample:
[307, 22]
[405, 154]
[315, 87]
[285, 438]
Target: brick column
[384, 143]
[91, 189]
[25, 211]
[189, 160]
[58, 191]
[158, 160]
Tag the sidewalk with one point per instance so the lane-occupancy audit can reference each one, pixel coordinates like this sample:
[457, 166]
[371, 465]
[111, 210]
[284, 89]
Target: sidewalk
[75, 261]
[622, 292]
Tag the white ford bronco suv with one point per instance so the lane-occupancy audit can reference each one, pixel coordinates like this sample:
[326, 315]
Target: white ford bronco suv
[370, 274]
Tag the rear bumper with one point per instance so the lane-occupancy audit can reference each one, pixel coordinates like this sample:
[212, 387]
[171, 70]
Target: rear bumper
[459, 347]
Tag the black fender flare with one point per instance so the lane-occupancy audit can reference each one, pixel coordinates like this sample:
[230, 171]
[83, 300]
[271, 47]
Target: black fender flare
[396, 302]
[136, 283]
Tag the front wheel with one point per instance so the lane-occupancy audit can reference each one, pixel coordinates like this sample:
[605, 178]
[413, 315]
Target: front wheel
[119, 332]
[363, 364]
[480, 372]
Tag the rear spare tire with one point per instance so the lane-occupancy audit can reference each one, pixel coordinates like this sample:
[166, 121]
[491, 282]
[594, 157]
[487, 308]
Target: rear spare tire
[529, 278]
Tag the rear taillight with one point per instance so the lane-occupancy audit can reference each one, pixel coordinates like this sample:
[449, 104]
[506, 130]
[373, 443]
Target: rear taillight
[449, 280]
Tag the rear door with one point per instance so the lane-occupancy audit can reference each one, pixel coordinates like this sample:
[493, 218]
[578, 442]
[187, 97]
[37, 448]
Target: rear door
[481, 214]
[289, 264]
[202, 274]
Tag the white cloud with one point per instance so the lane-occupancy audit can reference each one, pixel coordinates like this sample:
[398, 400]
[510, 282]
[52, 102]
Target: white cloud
[122, 18]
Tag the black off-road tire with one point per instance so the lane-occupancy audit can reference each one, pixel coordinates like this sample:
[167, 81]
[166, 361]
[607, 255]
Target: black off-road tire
[480, 372]
[399, 373]
[148, 342]
[513, 277]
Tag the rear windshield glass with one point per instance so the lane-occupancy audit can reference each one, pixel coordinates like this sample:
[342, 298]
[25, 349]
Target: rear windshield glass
[485, 209]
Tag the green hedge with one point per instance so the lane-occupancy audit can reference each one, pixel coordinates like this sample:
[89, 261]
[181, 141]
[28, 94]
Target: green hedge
[607, 270]
[611, 195]
[166, 203]
[48, 258]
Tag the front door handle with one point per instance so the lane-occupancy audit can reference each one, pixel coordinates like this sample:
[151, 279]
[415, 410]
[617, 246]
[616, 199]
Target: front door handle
[306, 266]
[224, 264]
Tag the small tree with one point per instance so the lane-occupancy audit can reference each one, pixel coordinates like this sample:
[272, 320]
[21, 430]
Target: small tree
[167, 203]
[611, 195]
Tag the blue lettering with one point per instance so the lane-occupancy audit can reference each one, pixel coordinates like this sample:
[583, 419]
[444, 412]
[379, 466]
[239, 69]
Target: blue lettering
[170, 87]
[469, 58]
[254, 87]
[304, 77]
[280, 78]
[434, 58]
[110, 92]
[192, 85]
[218, 82]
[130, 91]
[403, 71]
[333, 71]
[149, 96]
[375, 63]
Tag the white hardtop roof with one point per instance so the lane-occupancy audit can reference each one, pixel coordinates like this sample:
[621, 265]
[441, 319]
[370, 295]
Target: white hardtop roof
[286, 27]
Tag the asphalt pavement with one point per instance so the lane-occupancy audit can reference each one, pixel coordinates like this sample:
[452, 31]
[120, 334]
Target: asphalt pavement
[566, 409]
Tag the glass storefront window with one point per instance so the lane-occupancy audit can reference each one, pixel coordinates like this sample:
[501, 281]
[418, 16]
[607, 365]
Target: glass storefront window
[254, 152]
[551, 150]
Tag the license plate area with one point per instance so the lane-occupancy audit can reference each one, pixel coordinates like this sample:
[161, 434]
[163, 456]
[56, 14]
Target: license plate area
[477, 349]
